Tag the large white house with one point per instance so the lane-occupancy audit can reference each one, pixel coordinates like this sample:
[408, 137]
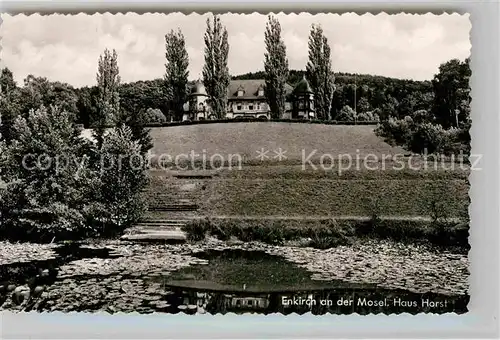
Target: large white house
[246, 99]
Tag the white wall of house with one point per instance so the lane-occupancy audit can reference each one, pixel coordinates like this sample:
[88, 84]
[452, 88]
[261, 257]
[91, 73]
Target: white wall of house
[249, 107]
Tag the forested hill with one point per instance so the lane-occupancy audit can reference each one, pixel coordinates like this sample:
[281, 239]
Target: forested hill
[392, 96]
[347, 78]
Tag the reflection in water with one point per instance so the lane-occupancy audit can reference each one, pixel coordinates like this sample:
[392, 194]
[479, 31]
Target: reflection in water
[317, 302]
[240, 281]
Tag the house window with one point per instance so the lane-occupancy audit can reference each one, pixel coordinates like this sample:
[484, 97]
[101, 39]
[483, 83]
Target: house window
[258, 106]
[250, 302]
[238, 107]
[250, 107]
[261, 93]
[240, 93]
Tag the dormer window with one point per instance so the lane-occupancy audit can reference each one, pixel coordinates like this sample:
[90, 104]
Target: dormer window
[241, 91]
[260, 93]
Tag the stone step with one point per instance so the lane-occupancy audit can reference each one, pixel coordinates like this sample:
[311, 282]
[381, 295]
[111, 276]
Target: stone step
[170, 202]
[161, 222]
[153, 230]
[158, 226]
[178, 207]
[199, 176]
[166, 235]
[181, 215]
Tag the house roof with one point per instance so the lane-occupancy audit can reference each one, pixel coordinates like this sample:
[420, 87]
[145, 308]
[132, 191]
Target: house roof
[250, 89]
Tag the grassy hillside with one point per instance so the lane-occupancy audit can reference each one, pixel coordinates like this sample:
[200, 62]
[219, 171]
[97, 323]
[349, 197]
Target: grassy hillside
[285, 188]
[245, 139]
[307, 193]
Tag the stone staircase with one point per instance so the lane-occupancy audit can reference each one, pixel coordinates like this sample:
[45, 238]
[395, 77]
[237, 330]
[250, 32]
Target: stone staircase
[167, 228]
[173, 201]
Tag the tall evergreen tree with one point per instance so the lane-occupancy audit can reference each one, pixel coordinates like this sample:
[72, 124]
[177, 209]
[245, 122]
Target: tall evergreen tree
[276, 68]
[176, 71]
[108, 102]
[319, 72]
[215, 71]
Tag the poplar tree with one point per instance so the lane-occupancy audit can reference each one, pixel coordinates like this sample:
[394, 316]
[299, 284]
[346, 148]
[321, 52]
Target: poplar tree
[319, 72]
[10, 103]
[176, 71]
[108, 102]
[276, 68]
[215, 71]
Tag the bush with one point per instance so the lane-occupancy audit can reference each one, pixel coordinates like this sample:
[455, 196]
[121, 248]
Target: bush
[155, 116]
[332, 234]
[396, 131]
[197, 230]
[346, 114]
[81, 197]
[329, 233]
[245, 120]
[424, 137]
[422, 116]
[427, 136]
[44, 202]
[450, 235]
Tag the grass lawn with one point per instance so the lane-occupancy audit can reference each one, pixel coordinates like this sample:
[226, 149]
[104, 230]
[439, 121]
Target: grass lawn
[245, 139]
[336, 197]
[272, 188]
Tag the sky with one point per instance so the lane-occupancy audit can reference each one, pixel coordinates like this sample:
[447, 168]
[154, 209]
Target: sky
[66, 48]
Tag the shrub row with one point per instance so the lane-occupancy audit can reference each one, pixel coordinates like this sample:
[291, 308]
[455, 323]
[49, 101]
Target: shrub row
[248, 120]
[329, 233]
[425, 137]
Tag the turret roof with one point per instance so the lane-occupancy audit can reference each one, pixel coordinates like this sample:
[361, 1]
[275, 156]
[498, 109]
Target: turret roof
[303, 86]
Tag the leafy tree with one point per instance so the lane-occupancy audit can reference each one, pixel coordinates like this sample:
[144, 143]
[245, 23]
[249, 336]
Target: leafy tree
[276, 68]
[38, 91]
[406, 106]
[136, 122]
[215, 71]
[108, 102]
[48, 181]
[452, 93]
[119, 196]
[144, 94]
[363, 105]
[87, 106]
[176, 71]
[35, 92]
[319, 72]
